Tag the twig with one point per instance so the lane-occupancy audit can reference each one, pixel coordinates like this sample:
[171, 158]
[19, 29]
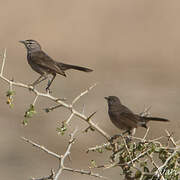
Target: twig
[85, 172]
[62, 158]
[127, 149]
[107, 166]
[71, 141]
[161, 167]
[170, 138]
[34, 102]
[98, 147]
[148, 141]
[69, 119]
[139, 156]
[51, 176]
[3, 62]
[52, 108]
[57, 100]
[42, 148]
[145, 112]
[155, 165]
[82, 94]
[83, 109]
[144, 138]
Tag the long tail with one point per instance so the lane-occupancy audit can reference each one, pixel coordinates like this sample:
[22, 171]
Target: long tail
[65, 67]
[155, 119]
[144, 120]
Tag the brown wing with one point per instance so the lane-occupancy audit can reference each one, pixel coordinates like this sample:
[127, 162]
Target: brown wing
[43, 60]
[130, 119]
[128, 116]
[125, 120]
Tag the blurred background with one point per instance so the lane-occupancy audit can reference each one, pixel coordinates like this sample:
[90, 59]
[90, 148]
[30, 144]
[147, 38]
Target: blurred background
[133, 47]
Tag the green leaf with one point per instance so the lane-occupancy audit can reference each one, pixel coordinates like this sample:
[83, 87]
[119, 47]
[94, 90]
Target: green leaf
[29, 114]
[9, 95]
[100, 150]
[25, 122]
[61, 130]
[138, 174]
[146, 169]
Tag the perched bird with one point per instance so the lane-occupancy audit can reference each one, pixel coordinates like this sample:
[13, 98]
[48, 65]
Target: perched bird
[124, 118]
[44, 65]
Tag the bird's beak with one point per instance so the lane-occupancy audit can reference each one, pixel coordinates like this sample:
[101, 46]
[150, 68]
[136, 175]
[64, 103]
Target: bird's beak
[22, 42]
[106, 98]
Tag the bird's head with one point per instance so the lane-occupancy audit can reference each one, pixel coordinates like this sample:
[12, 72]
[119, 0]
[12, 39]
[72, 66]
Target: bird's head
[112, 100]
[31, 45]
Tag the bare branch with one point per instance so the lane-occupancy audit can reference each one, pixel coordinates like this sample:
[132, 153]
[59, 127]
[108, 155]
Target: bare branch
[98, 147]
[84, 172]
[50, 177]
[61, 158]
[82, 94]
[52, 108]
[155, 165]
[145, 112]
[69, 119]
[57, 100]
[144, 138]
[71, 141]
[3, 62]
[170, 138]
[42, 148]
[34, 102]
[60, 103]
[127, 149]
[83, 109]
[158, 171]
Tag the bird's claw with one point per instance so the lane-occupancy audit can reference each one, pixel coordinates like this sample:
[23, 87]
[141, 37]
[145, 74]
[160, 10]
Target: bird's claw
[48, 90]
[115, 137]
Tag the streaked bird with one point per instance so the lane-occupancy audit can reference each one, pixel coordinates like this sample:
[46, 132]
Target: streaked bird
[44, 64]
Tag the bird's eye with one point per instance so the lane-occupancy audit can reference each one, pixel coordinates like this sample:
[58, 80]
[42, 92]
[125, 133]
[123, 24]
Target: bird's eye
[30, 42]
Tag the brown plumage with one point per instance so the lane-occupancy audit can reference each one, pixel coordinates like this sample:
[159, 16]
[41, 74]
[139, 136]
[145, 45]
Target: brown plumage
[124, 118]
[44, 65]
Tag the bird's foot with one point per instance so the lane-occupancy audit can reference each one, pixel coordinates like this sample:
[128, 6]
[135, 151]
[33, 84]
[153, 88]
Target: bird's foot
[115, 137]
[128, 139]
[48, 91]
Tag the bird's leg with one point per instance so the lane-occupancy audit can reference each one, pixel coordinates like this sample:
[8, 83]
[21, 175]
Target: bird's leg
[33, 84]
[36, 82]
[133, 131]
[45, 77]
[130, 135]
[49, 83]
[39, 80]
[114, 137]
[120, 135]
[127, 131]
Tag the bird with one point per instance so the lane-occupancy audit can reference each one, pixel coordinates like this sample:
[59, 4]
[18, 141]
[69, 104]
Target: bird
[43, 64]
[123, 118]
